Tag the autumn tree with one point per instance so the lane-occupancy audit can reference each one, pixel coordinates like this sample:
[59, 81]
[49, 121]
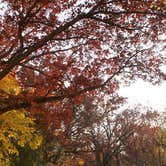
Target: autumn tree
[18, 130]
[159, 148]
[59, 50]
[62, 51]
[102, 136]
[147, 147]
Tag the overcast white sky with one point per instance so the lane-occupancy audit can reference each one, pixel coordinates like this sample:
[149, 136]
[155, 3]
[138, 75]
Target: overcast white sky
[146, 94]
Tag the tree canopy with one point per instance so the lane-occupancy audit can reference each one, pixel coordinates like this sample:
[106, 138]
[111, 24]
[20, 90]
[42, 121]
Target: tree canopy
[61, 49]
[61, 52]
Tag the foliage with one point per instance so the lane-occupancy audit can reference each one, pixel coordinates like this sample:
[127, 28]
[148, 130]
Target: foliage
[56, 154]
[28, 156]
[63, 50]
[101, 136]
[17, 129]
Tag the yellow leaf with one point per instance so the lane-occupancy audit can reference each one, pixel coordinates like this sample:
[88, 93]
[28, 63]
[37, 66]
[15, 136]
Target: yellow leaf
[16, 128]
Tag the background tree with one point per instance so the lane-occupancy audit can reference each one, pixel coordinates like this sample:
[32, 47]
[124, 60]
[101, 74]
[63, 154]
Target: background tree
[102, 136]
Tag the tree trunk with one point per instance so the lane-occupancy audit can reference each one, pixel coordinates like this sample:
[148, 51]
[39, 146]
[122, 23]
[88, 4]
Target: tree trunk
[117, 160]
